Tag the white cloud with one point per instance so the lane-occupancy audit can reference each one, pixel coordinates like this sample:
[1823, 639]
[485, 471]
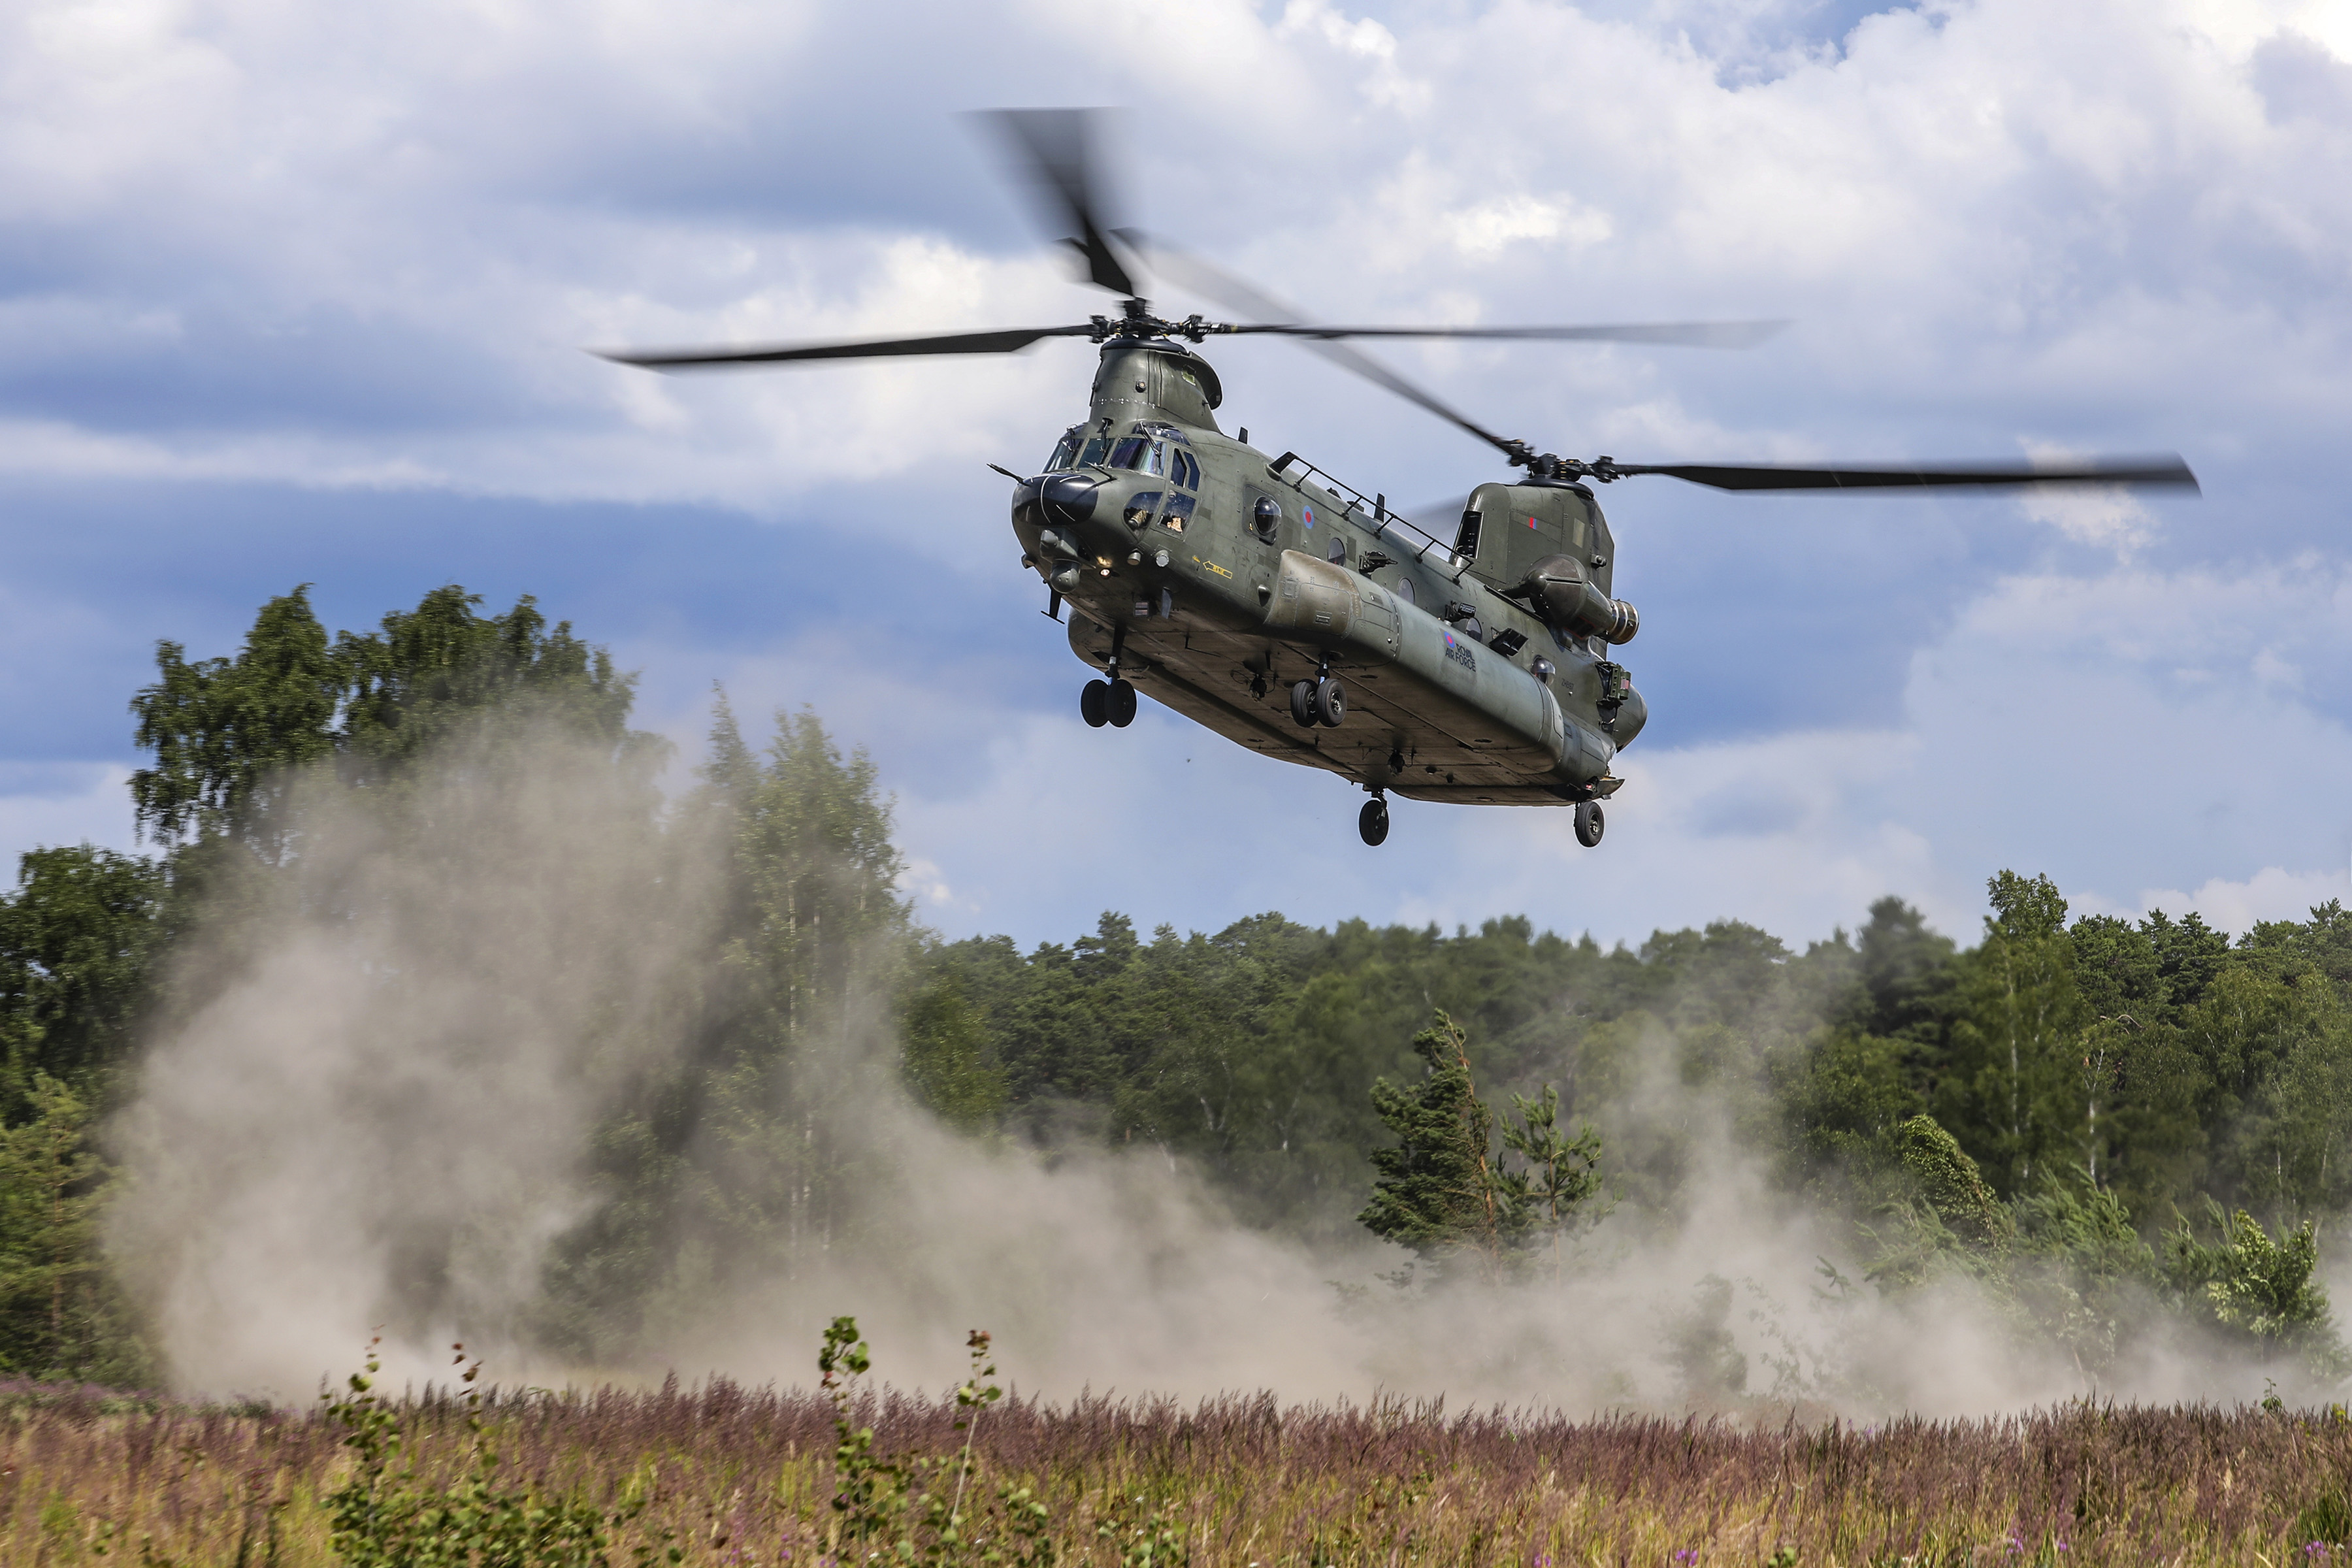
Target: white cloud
[72, 803]
[2272, 893]
[333, 248]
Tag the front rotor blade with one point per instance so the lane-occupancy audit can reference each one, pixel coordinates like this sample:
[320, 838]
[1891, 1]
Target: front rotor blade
[1055, 151]
[1687, 334]
[2167, 469]
[998, 342]
[1221, 288]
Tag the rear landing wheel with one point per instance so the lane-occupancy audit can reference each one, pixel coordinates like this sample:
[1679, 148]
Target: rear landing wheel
[1589, 823]
[1121, 704]
[1094, 703]
[1373, 822]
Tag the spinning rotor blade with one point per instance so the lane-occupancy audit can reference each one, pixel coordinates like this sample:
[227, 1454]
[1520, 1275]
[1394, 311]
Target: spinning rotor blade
[2167, 469]
[1221, 288]
[1687, 334]
[998, 343]
[1054, 148]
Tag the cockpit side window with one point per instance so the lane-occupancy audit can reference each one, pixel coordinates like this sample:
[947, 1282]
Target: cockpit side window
[1139, 509]
[1188, 470]
[1066, 452]
[1178, 513]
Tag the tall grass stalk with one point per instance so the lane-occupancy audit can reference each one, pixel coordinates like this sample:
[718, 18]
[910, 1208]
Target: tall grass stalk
[744, 1478]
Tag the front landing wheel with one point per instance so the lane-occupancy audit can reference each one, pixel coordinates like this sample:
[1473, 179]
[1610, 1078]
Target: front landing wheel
[1373, 822]
[1589, 823]
[1119, 704]
[1094, 703]
[1329, 703]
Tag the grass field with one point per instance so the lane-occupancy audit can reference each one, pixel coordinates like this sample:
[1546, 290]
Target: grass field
[727, 1475]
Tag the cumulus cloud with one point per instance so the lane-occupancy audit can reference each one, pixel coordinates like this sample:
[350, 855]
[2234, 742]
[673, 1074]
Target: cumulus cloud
[248, 245]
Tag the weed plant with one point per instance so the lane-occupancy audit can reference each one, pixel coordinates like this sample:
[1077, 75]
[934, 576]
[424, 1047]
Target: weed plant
[852, 1474]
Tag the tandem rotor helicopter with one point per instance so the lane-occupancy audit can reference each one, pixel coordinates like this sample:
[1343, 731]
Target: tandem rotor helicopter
[1298, 615]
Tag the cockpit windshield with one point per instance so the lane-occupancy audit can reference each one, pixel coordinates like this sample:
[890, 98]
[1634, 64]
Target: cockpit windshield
[1141, 453]
[1074, 450]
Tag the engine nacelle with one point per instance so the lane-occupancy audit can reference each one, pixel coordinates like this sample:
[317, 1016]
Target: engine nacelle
[1558, 589]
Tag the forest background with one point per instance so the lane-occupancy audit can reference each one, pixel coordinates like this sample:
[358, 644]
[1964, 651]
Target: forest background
[2106, 1131]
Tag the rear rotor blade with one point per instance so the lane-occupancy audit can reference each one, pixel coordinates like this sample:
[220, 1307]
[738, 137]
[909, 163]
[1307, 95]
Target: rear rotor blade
[996, 343]
[1054, 148]
[2166, 470]
[1687, 334]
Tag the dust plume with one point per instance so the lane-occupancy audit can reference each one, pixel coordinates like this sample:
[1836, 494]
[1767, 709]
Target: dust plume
[381, 1102]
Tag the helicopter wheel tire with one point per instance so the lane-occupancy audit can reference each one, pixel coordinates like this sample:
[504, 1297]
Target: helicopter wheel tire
[1122, 704]
[1331, 701]
[1589, 821]
[1302, 704]
[1094, 704]
[1373, 822]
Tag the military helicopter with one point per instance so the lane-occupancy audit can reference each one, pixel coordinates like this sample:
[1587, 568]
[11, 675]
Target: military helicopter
[1303, 618]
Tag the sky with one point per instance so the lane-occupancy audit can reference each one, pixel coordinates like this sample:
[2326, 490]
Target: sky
[299, 294]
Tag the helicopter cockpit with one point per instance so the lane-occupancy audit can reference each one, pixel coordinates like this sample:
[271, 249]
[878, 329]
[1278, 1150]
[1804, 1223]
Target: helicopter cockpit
[1151, 447]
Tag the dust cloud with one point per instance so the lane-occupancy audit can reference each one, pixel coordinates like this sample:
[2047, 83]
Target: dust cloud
[378, 1107]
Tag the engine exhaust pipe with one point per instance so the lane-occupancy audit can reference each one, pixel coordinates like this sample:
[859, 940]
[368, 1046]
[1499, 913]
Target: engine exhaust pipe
[1557, 589]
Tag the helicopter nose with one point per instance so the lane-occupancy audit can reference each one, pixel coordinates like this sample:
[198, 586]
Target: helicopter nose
[1067, 498]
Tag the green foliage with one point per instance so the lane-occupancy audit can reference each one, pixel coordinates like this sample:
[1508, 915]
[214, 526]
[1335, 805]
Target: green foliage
[75, 937]
[2082, 1270]
[233, 736]
[1950, 1183]
[737, 1163]
[2024, 1110]
[945, 1059]
[229, 734]
[427, 673]
[2326, 1520]
[1443, 1189]
[61, 1317]
[1438, 1193]
[388, 1514]
[909, 1511]
[2258, 1286]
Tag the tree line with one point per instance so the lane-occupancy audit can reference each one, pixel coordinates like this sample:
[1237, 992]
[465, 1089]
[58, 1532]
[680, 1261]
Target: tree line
[2079, 1112]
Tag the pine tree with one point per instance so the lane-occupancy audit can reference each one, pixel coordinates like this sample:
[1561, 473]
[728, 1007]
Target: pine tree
[1443, 1189]
[61, 1314]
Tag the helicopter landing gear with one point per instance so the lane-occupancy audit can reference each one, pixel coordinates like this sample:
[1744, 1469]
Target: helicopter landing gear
[1322, 700]
[1589, 823]
[1111, 702]
[1323, 703]
[1373, 822]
